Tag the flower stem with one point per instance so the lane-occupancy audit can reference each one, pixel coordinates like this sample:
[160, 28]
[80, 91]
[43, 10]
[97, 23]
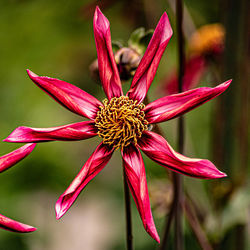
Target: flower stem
[178, 191]
[129, 236]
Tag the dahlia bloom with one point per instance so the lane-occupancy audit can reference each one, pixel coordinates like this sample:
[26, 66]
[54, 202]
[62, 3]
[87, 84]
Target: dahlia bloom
[7, 161]
[122, 121]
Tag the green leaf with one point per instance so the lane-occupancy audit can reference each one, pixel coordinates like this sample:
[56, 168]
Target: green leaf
[139, 40]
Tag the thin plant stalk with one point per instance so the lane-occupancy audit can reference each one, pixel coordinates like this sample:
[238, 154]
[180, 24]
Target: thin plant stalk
[179, 243]
[129, 235]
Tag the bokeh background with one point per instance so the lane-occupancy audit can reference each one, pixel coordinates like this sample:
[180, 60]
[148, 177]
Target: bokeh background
[55, 38]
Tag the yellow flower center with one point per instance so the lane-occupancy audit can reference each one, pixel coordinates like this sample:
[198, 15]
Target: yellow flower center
[120, 121]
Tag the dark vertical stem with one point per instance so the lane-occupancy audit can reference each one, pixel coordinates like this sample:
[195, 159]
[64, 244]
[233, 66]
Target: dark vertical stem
[176, 208]
[177, 178]
[129, 236]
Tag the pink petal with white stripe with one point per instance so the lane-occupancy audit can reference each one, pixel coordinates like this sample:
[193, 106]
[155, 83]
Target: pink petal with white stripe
[157, 149]
[136, 179]
[108, 71]
[91, 168]
[169, 107]
[147, 68]
[10, 159]
[71, 132]
[68, 95]
[14, 226]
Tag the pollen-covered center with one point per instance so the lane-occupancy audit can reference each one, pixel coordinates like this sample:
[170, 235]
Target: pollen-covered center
[120, 121]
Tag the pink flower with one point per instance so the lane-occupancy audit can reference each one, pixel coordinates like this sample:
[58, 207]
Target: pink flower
[122, 121]
[7, 161]
[14, 226]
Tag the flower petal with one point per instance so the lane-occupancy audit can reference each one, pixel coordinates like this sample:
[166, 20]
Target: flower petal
[157, 149]
[136, 179]
[169, 107]
[68, 95]
[146, 70]
[194, 69]
[71, 132]
[10, 159]
[108, 71]
[91, 168]
[14, 226]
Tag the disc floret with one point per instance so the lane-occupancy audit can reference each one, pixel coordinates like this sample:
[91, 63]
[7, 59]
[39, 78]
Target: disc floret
[121, 121]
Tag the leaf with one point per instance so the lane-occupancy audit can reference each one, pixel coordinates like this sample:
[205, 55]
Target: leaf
[139, 40]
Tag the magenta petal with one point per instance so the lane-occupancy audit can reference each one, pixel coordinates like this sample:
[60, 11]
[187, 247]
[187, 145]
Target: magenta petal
[71, 132]
[194, 69]
[68, 95]
[157, 149]
[136, 179]
[91, 168]
[146, 70]
[108, 71]
[14, 226]
[10, 159]
[169, 107]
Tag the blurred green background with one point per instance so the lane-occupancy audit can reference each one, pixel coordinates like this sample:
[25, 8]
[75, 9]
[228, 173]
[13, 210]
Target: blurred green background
[55, 38]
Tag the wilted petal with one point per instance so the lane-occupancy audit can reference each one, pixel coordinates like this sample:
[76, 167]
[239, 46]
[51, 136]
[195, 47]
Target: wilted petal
[10, 159]
[91, 168]
[194, 69]
[169, 107]
[68, 95]
[71, 132]
[157, 149]
[146, 70]
[14, 226]
[108, 71]
[136, 179]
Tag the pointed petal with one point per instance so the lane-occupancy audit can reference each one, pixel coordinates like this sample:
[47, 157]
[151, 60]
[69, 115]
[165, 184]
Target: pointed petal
[136, 179]
[146, 70]
[91, 168]
[169, 107]
[68, 95]
[10, 159]
[71, 132]
[14, 226]
[108, 71]
[157, 149]
[194, 69]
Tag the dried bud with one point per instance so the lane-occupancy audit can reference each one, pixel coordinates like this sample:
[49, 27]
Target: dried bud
[208, 40]
[127, 61]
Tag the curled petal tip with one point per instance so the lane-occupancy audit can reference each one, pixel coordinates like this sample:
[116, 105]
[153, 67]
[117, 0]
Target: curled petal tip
[30, 229]
[221, 175]
[158, 239]
[58, 209]
[100, 21]
[10, 159]
[97, 9]
[31, 74]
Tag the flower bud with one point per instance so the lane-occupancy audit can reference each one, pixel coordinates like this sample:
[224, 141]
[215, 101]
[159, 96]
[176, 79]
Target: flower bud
[127, 61]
